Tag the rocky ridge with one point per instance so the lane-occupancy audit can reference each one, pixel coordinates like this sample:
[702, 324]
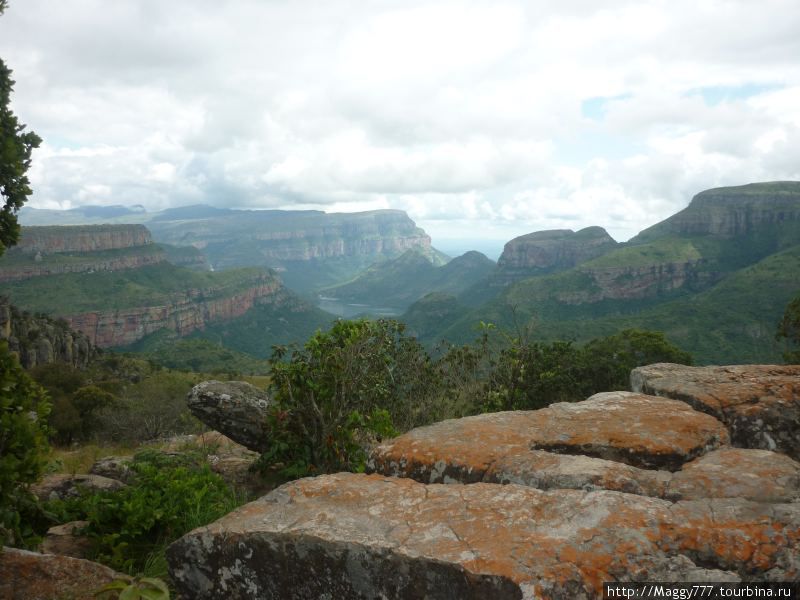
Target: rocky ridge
[620, 487]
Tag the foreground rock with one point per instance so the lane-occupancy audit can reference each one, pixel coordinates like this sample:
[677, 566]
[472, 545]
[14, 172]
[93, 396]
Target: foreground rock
[234, 408]
[368, 536]
[62, 486]
[32, 576]
[760, 404]
[634, 429]
[67, 540]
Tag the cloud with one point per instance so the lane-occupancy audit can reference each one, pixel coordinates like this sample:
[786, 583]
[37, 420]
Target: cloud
[480, 118]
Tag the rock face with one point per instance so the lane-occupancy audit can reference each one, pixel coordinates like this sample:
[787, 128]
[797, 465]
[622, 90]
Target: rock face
[81, 238]
[760, 404]
[553, 250]
[368, 536]
[188, 313]
[66, 540]
[234, 408]
[32, 576]
[39, 340]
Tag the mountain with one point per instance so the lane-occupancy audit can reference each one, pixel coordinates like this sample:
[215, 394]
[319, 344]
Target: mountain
[112, 283]
[716, 277]
[400, 281]
[311, 249]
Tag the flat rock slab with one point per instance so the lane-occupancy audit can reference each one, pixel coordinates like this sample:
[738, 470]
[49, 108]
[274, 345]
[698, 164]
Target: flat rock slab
[760, 404]
[32, 576]
[758, 475]
[234, 408]
[368, 536]
[634, 429]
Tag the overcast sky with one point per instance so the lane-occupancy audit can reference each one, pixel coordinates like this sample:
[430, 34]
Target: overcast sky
[481, 119]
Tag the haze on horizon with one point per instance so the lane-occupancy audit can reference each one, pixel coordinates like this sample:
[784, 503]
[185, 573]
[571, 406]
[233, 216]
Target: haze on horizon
[482, 119]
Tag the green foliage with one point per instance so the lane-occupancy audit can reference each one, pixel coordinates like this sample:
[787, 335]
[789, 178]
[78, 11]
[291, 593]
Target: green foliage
[170, 496]
[16, 146]
[354, 382]
[23, 447]
[789, 329]
[139, 588]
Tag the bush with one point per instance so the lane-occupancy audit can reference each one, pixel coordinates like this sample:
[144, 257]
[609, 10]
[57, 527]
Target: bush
[789, 328]
[358, 380]
[170, 496]
[23, 448]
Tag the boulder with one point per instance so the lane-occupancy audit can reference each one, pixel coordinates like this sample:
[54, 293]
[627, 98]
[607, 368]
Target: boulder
[760, 404]
[31, 576]
[616, 426]
[234, 408]
[369, 536]
[61, 486]
[113, 467]
[67, 540]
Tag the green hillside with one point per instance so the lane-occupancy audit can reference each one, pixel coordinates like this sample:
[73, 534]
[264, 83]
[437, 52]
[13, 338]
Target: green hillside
[412, 275]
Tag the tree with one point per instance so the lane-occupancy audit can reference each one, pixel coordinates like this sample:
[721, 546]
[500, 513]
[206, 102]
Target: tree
[789, 328]
[23, 446]
[16, 147]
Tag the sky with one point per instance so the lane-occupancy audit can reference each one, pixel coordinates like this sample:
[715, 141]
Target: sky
[483, 120]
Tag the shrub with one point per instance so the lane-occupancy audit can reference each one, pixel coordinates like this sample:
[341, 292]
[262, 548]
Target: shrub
[789, 328]
[357, 380]
[23, 448]
[131, 527]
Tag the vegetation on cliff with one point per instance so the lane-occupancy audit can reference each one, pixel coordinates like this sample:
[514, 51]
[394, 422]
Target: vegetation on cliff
[789, 329]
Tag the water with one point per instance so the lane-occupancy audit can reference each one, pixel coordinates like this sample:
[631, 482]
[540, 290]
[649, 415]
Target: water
[349, 310]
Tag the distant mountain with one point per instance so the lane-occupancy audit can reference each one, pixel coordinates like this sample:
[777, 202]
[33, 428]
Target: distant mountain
[112, 283]
[400, 281]
[716, 276]
[311, 249]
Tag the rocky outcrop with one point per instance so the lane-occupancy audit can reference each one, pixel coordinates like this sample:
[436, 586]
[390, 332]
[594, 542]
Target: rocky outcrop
[39, 340]
[190, 312]
[369, 536]
[553, 250]
[620, 487]
[62, 486]
[760, 404]
[32, 576]
[616, 426]
[235, 408]
[80, 238]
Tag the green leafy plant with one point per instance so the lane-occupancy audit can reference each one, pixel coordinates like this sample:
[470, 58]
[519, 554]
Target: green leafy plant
[23, 449]
[139, 588]
[789, 329]
[131, 527]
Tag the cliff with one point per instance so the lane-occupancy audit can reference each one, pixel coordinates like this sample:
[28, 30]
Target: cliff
[78, 249]
[81, 238]
[41, 340]
[733, 211]
[553, 250]
[185, 313]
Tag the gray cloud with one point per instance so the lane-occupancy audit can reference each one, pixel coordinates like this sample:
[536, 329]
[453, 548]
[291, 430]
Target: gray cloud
[468, 114]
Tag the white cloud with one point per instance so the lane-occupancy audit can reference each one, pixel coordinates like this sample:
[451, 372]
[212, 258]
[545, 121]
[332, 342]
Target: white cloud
[466, 113]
